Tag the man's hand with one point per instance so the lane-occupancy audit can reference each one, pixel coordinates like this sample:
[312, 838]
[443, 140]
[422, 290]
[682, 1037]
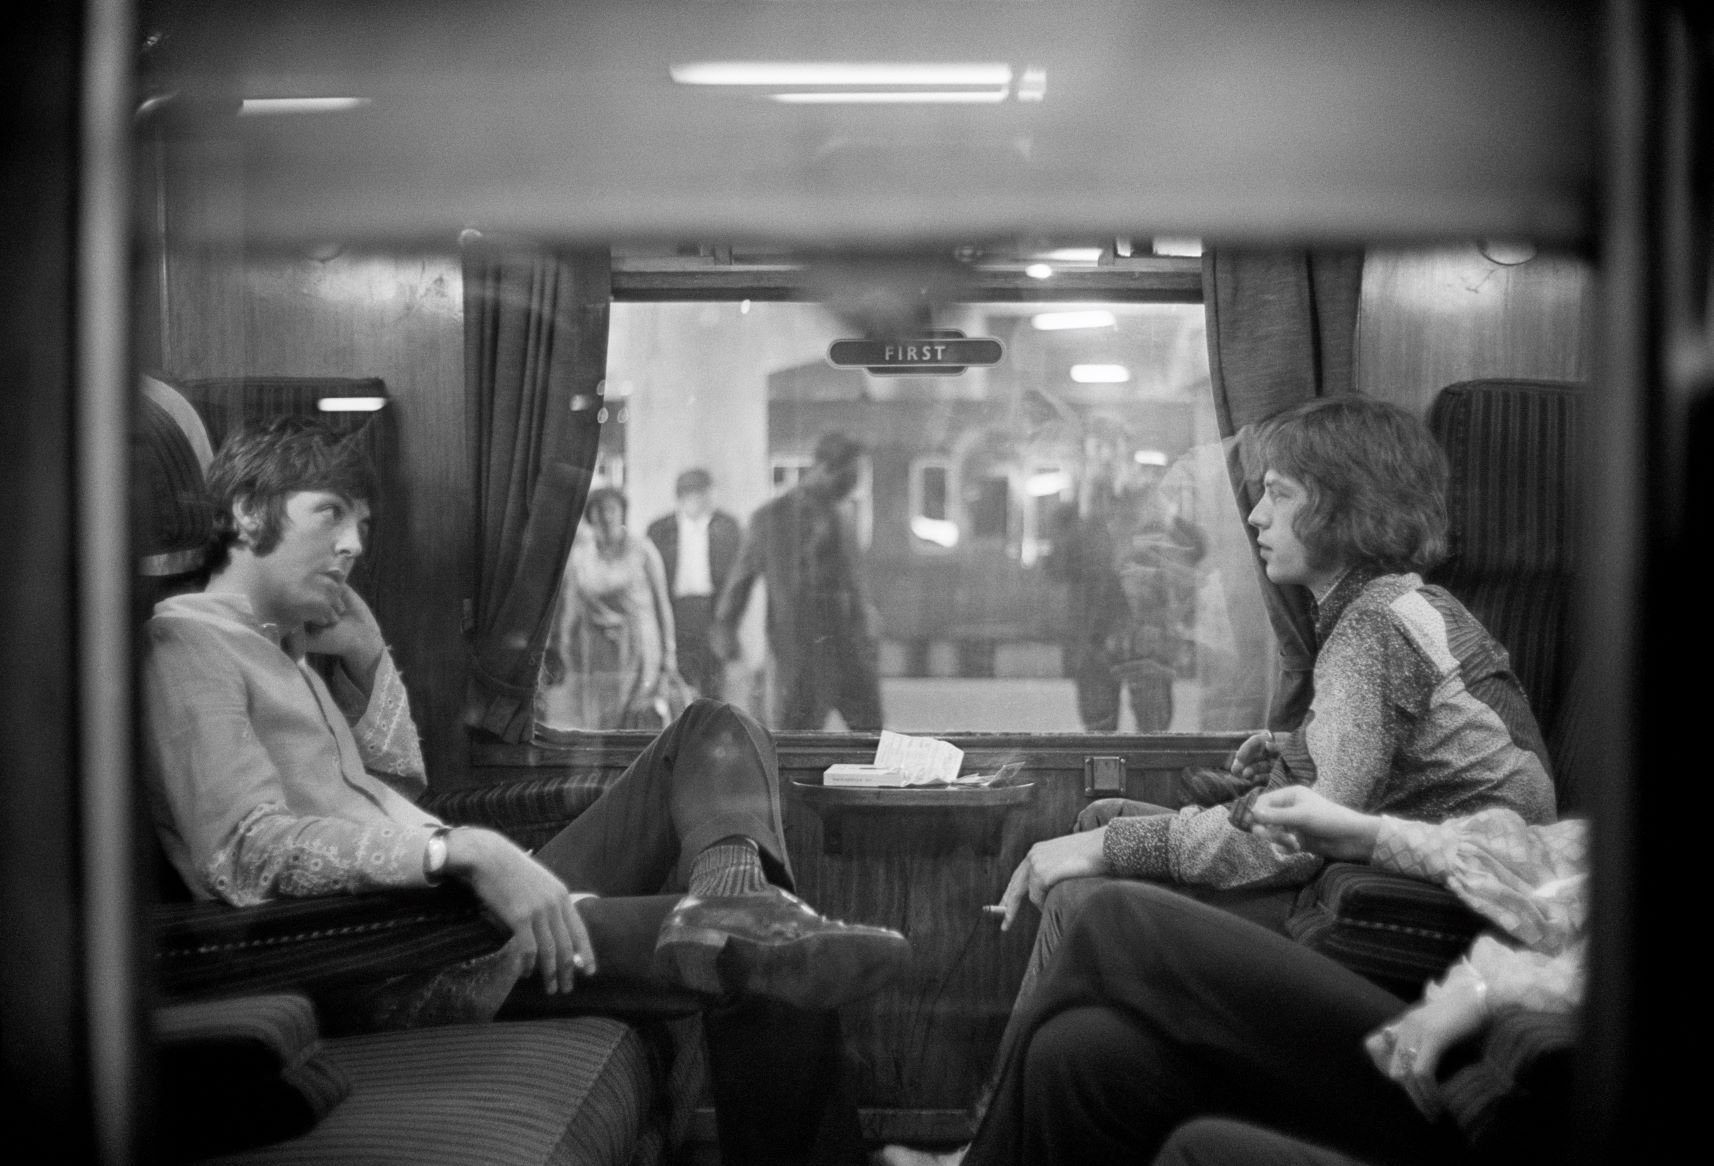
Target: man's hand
[1048, 862]
[351, 633]
[1297, 818]
[547, 932]
[1409, 1049]
[1255, 757]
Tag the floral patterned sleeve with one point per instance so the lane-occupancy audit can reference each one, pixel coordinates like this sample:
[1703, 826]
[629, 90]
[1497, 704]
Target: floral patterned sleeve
[381, 722]
[223, 806]
[1530, 881]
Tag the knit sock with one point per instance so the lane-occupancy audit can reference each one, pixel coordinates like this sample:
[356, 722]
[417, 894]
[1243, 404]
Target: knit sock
[731, 866]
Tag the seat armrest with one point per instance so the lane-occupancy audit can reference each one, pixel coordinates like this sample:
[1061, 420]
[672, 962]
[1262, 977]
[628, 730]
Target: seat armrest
[311, 945]
[1398, 931]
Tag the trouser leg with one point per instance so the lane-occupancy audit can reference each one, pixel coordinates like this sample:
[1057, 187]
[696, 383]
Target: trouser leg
[1083, 1074]
[858, 684]
[1273, 1029]
[803, 700]
[693, 615]
[710, 774]
[782, 1088]
[1097, 690]
[1223, 1142]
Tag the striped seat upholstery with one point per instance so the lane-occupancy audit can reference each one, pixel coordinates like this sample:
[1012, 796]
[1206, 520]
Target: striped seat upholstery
[532, 1093]
[1513, 450]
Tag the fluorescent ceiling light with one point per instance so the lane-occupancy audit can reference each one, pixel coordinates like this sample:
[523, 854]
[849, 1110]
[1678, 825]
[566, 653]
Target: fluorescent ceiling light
[351, 404]
[895, 97]
[256, 106]
[1073, 255]
[1100, 374]
[1039, 271]
[1057, 321]
[795, 73]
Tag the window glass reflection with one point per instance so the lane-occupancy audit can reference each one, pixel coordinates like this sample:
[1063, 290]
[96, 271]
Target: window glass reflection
[1046, 544]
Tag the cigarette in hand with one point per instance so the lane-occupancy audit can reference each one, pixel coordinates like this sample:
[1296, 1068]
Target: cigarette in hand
[994, 909]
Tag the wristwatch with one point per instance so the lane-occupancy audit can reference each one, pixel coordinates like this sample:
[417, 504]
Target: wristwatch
[434, 855]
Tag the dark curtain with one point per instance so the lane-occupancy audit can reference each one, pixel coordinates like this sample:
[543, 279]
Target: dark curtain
[535, 345]
[1281, 329]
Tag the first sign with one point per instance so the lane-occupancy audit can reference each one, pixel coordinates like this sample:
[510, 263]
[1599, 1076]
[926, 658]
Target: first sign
[918, 355]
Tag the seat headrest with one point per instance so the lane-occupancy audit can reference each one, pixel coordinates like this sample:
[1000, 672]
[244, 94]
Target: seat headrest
[171, 508]
[1513, 450]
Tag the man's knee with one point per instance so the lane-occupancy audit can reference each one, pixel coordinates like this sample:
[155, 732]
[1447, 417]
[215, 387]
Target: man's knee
[721, 728]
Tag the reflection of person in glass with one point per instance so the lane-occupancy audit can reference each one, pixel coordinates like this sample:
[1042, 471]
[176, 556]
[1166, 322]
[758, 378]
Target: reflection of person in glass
[1096, 611]
[612, 637]
[821, 627]
[698, 545]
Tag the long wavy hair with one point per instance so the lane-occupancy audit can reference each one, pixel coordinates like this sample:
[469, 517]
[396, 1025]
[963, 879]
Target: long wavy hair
[1374, 477]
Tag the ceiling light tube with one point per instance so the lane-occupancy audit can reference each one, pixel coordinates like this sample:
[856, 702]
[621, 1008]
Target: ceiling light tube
[895, 97]
[262, 106]
[351, 404]
[795, 73]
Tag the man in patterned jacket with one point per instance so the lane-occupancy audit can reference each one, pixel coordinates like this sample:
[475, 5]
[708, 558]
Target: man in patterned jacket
[266, 780]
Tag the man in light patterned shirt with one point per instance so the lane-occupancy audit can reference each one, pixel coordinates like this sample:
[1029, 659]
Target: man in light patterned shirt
[266, 780]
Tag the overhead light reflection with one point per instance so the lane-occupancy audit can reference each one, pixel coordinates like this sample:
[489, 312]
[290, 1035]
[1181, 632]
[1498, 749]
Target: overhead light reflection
[1047, 484]
[351, 404]
[1059, 321]
[1100, 374]
[935, 530]
[1039, 271]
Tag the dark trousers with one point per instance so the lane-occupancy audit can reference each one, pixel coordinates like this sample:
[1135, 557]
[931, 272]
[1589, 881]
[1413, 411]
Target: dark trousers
[1158, 1009]
[693, 615]
[781, 1090]
[832, 669]
[1213, 1141]
[1099, 687]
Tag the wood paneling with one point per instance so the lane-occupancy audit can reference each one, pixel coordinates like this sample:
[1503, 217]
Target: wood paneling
[928, 1042]
[1432, 318]
[330, 311]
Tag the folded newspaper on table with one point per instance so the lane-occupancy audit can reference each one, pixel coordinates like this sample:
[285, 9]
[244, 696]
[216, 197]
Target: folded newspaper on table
[902, 760]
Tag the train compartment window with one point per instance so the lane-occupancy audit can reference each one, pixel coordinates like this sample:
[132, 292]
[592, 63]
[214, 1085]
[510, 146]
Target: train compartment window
[1002, 511]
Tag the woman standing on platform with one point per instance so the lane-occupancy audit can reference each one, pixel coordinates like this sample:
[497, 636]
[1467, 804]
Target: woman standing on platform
[611, 649]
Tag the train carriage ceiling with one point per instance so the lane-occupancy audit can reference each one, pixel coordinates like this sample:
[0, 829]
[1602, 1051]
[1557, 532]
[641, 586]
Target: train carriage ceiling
[848, 122]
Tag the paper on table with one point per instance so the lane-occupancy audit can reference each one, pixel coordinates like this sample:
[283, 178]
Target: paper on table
[923, 760]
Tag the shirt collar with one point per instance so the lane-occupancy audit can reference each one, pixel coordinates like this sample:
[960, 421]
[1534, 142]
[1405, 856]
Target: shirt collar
[1331, 606]
[233, 606]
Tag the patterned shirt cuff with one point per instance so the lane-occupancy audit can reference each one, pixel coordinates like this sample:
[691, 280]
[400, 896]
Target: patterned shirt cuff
[1137, 847]
[1411, 848]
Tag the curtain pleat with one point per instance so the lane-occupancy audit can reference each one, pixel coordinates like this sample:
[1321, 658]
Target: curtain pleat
[535, 326]
[1281, 330]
